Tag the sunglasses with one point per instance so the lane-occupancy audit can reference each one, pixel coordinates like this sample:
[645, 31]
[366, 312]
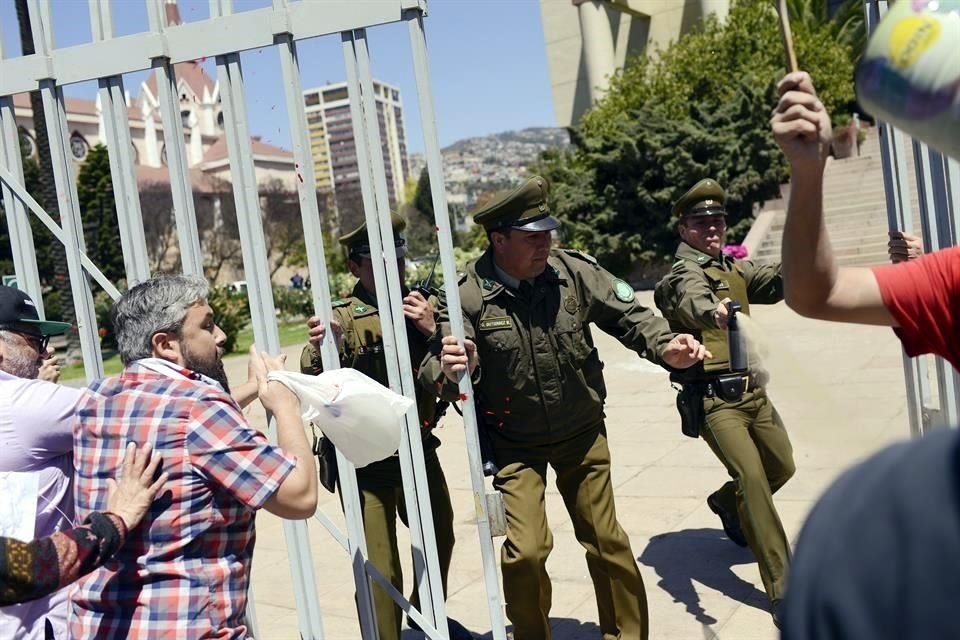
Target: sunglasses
[38, 340]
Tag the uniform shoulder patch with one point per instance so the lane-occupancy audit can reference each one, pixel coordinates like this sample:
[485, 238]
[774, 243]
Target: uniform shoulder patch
[623, 291]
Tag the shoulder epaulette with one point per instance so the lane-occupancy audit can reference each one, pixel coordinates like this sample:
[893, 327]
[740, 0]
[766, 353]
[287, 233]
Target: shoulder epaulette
[586, 257]
[339, 303]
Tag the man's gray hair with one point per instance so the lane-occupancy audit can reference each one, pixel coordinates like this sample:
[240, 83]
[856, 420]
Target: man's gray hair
[157, 305]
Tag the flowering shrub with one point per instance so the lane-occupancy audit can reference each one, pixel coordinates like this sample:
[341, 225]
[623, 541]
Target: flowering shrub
[735, 251]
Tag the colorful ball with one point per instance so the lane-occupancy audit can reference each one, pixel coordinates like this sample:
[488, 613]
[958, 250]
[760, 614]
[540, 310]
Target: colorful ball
[910, 73]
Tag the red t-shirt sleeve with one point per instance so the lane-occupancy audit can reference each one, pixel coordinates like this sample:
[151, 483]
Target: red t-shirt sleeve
[921, 295]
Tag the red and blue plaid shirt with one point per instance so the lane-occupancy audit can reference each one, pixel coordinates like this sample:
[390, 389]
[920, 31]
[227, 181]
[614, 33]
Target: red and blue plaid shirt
[184, 571]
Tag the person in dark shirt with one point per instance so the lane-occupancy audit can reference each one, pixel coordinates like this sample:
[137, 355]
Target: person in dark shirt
[879, 556]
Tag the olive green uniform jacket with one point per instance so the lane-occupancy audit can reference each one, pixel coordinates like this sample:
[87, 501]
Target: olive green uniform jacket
[541, 378]
[690, 293]
[363, 349]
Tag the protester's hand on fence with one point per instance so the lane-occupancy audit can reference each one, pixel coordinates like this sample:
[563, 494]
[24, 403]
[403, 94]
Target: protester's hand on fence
[131, 496]
[903, 247]
[684, 351]
[800, 122]
[274, 396]
[50, 369]
[456, 358]
[419, 310]
[316, 331]
[721, 315]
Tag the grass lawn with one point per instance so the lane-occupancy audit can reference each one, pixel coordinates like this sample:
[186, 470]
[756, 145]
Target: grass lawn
[290, 333]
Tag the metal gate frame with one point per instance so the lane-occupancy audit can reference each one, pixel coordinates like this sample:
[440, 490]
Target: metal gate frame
[938, 186]
[106, 59]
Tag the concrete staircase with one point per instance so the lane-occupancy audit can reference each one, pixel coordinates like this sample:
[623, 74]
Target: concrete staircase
[854, 208]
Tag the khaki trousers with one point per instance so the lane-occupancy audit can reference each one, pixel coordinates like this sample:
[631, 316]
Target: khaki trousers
[749, 439]
[381, 497]
[582, 465]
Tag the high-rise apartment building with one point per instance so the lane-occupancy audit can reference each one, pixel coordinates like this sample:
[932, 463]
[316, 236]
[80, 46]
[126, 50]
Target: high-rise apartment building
[334, 149]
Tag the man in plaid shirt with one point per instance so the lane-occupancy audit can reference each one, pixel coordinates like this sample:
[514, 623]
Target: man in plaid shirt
[184, 571]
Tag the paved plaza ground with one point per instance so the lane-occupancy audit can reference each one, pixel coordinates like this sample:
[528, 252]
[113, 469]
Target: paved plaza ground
[840, 391]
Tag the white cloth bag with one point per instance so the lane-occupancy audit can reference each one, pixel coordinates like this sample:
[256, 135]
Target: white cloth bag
[363, 418]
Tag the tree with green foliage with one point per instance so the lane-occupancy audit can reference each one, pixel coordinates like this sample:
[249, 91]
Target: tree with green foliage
[98, 211]
[698, 108]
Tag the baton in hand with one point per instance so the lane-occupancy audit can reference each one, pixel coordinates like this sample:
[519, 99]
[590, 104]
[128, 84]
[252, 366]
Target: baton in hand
[787, 36]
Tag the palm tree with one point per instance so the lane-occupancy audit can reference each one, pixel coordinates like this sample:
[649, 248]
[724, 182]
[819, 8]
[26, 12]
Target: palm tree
[845, 20]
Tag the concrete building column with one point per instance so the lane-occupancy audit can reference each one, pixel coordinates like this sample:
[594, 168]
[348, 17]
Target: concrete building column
[598, 49]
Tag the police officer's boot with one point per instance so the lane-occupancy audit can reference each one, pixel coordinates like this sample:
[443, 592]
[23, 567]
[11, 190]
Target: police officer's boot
[730, 522]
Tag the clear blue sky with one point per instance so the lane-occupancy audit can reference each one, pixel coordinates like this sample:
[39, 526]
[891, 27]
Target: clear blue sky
[487, 60]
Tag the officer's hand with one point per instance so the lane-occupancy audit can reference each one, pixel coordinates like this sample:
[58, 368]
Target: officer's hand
[684, 351]
[419, 310]
[50, 369]
[455, 358]
[904, 246]
[316, 331]
[800, 123]
[721, 315]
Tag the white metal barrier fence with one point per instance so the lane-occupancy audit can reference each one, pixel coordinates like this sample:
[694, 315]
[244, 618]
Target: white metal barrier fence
[938, 184]
[223, 36]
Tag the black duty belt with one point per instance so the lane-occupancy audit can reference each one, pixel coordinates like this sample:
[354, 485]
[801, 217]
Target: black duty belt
[710, 387]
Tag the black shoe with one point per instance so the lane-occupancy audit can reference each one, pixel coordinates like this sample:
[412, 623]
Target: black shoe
[775, 611]
[456, 630]
[730, 522]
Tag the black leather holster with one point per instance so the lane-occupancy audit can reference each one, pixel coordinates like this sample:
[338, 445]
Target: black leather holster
[690, 407]
[326, 462]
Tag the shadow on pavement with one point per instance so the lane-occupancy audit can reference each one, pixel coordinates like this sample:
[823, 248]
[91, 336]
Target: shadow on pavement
[681, 558]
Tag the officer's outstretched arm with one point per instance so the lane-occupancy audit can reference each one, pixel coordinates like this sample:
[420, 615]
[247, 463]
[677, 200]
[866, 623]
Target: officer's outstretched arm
[686, 298]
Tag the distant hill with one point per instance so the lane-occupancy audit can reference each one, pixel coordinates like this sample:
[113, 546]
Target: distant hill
[545, 137]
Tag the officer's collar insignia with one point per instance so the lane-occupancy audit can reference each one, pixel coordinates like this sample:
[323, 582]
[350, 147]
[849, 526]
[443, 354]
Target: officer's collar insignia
[570, 304]
[488, 284]
[495, 322]
[360, 308]
[623, 291]
[702, 258]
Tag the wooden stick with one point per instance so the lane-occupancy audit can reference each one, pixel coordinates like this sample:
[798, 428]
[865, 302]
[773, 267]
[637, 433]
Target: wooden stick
[787, 35]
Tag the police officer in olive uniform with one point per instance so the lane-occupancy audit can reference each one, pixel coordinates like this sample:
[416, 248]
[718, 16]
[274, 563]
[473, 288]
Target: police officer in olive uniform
[738, 421]
[356, 325]
[540, 391]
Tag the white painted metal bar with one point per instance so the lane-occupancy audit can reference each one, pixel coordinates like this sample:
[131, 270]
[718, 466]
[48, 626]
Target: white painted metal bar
[354, 541]
[20, 194]
[900, 218]
[18, 223]
[195, 40]
[426, 565]
[418, 46]
[59, 137]
[366, 131]
[123, 175]
[191, 256]
[260, 296]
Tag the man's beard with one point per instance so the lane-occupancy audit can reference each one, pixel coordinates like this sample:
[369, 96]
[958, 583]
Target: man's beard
[210, 367]
[16, 364]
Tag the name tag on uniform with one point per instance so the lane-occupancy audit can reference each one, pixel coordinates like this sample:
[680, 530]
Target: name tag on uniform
[498, 322]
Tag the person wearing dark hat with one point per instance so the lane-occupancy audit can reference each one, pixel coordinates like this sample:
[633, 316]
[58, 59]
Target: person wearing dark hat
[539, 386]
[36, 427]
[730, 409]
[356, 326]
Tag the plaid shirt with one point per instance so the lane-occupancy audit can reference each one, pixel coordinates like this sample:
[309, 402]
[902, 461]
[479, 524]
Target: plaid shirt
[183, 572]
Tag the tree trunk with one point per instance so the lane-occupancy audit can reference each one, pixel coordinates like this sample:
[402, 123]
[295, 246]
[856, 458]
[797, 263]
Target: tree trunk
[48, 189]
